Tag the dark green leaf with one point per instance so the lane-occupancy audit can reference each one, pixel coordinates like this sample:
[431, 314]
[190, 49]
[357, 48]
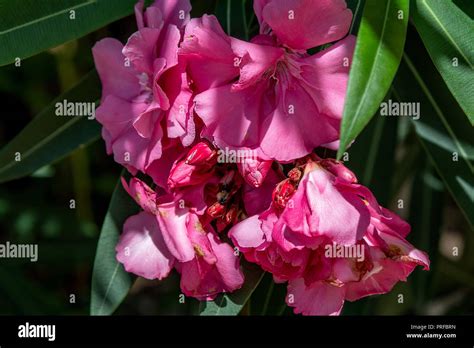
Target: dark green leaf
[233, 17]
[356, 7]
[426, 211]
[48, 137]
[110, 282]
[443, 130]
[378, 51]
[30, 26]
[372, 155]
[24, 294]
[448, 34]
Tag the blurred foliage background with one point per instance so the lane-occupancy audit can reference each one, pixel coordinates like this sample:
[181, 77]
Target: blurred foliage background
[387, 157]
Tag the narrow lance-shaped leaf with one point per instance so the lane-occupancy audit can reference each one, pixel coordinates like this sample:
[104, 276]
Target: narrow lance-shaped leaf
[50, 137]
[231, 304]
[443, 131]
[110, 281]
[377, 54]
[448, 34]
[356, 7]
[28, 27]
[426, 220]
[231, 15]
[372, 156]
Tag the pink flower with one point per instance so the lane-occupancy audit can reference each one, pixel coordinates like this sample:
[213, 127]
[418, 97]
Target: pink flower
[328, 237]
[174, 229]
[168, 234]
[146, 104]
[270, 94]
[225, 191]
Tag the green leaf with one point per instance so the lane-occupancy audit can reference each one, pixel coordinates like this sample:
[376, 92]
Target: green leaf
[231, 304]
[233, 17]
[426, 220]
[48, 137]
[443, 130]
[377, 54]
[27, 297]
[356, 7]
[448, 34]
[110, 281]
[30, 26]
[372, 155]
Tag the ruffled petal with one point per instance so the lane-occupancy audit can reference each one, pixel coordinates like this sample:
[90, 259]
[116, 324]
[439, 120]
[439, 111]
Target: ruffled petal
[303, 24]
[326, 74]
[254, 61]
[117, 78]
[208, 52]
[142, 194]
[141, 49]
[340, 216]
[248, 233]
[320, 298]
[175, 12]
[141, 248]
[296, 126]
[227, 264]
[173, 224]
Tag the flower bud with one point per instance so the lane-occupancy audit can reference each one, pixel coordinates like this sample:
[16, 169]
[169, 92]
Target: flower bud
[216, 210]
[254, 171]
[338, 169]
[282, 193]
[201, 154]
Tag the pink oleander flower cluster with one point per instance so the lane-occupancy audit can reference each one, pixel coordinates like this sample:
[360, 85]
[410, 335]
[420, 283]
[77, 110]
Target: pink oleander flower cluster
[225, 130]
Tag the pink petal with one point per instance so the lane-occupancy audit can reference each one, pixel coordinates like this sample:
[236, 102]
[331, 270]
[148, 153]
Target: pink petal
[208, 53]
[142, 194]
[173, 224]
[168, 45]
[341, 216]
[255, 60]
[180, 118]
[130, 149]
[248, 233]
[258, 6]
[199, 279]
[199, 239]
[320, 298]
[303, 24]
[141, 49]
[141, 248]
[388, 221]
[232, 118]
[117, 115]
[160, 168]
[380, 280]
[326, 74]
[404, 251]
[205, 281]
[227, 264]
[148, 121]
[174, 12]
[296, 126]
[254, 170]
[117, 78]
[257, 199]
